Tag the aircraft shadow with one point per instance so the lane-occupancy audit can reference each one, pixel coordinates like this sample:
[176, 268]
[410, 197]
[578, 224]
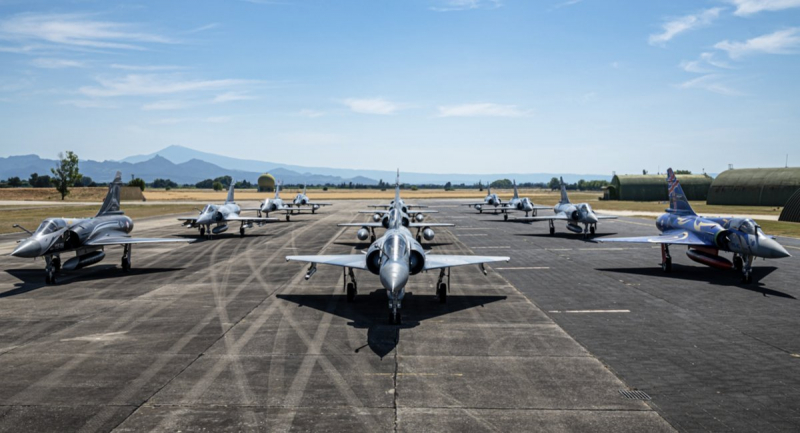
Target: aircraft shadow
[563, 235]
[222, 236]
[710, 276]
[33, 279]
[370, 311]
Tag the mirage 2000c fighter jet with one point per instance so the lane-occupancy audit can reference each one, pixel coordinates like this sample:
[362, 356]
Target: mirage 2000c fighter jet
[489, 200]
[394, 257]
[301, 199]
[523, 204]
[706, 237]
[409, 218]
[221, 215]
[276, 204]
[574, 214]
[86, 237]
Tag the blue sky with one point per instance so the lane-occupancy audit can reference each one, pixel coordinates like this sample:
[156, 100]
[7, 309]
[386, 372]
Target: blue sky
[478, 86]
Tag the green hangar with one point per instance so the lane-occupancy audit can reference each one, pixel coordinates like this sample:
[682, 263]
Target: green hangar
[755, 186]
[653, 187]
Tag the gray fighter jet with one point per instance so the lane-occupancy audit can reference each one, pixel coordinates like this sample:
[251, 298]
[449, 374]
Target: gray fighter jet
[573, 214]
[523, 204]
[302, 199]
[394, 257]
[276, 204]
[409, 218]
[221, 215]
[489, 200]
[86, 237]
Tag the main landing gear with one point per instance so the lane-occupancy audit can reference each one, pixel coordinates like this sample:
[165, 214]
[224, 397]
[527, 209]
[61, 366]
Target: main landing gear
[441, 286]
[505, 217]
[350, 287]
[126, 257]
[552, 228]
[52, 266]
[202, 231]
[593, 228]
[666, 259]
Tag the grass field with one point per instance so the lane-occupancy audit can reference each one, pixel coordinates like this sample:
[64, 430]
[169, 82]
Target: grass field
[31, 217]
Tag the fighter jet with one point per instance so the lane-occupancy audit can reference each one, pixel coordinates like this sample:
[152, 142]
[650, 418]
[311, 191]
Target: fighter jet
[86, 237]
[706, 237]
[573, 214]
[302, 199]
[394, 257]
[221, 215]
[277, 204]
[520, 204]
[489, 200]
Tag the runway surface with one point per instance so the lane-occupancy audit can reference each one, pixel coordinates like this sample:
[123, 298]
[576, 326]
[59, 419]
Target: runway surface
[225, 335]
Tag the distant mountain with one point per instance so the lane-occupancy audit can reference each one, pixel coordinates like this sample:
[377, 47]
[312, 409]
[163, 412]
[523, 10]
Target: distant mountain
[179, 154]
[190, 171]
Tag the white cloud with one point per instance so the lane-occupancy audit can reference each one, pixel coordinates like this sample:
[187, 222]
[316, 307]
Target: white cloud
[312, 114]
[232, 96]
[703, 63]
[165, 105]
[48, 63]
[176, 120]
[683, 24]
[145, 68]
[203, 28]
[372, 106]
[88, 103]
[464, 5]
[76, 31]
[566, 3]
[153, 84]
[749, 7]
[780, 42]
[486, 109]
[710, 82]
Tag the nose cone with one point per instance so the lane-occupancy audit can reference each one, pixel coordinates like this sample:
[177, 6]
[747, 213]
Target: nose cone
[204, 219]
[771, 249]
[394, 276]
[590, 218]
[29, 248]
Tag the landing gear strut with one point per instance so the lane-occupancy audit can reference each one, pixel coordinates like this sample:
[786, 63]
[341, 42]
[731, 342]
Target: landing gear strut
[592, 228]
[666, 259]
[350, 287]
[241, 230]
[747, 272]
[552, 228]
[202, 231]
[505, 217]
[441, 286]
[126, 257]
[49, 270]
[738, 263]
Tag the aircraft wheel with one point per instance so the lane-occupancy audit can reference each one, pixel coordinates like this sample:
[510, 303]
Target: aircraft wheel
[56, 264]
[287, 217]
[667, 265]
[552, 230]
[442, 293]
[738, 263]
[241, 231]
[747, 278]
[480, 211]
[419, 239]
[505, 217]
[202, 231]
[50, 278]
[126, 265]
[312, 211]
[391, 317]
[351, 292]
[592, 229]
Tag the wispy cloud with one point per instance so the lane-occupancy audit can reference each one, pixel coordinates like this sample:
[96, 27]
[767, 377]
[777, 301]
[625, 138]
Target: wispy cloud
[75, 31]
[177, 120]
[464, 5]
[780, 42]
[145, 68]
[88, 103]
[682, 24]
[372, 106]
[48, 63]
[565, 4]
[485, 109]
[704, 64]
[312, 114]
[202, 28]
[712, 83]
[232, 96]
[154, 84]
[750, 7]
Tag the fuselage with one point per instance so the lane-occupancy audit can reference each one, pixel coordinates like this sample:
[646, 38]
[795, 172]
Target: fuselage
[577, 212]
[737, 235]
[301, 200]
[56, 235]
[522, 204]
[492, 200]
[217, 214]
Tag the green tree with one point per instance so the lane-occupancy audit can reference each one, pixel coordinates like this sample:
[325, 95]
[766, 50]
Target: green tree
[217, 185]
[14, 181]
[137, 182]
[554, 183]
[448, 186]
[502, 183]
[66, 173]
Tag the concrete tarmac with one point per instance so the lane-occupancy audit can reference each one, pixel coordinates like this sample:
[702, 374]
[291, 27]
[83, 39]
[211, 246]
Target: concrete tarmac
[224, 335]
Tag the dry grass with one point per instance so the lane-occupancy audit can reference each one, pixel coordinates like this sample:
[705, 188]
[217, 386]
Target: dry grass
[31, 217]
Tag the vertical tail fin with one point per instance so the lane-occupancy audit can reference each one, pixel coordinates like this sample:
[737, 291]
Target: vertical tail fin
[516, 193]
[678, 204]
[488, 190]
[564, 196]
[278, 189]
[397, 188]
[110, 205]
[304, 189]
[230, 192]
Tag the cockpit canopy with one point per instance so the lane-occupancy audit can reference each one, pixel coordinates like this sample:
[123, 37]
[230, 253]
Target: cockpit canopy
[745, 225]
[394, 248]
[49, 225]
[584, 207]
[209, 208]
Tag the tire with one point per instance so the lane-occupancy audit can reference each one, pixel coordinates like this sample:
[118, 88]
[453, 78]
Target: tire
[552, 230]
[505, 217]
[351, 292]
[56, 265]
[241, 231]
[126, 265]
[202, 231]
[592, 230]
[391, 317]
[287, 217]
[667, 265]
[442, 292]
[738, 263]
